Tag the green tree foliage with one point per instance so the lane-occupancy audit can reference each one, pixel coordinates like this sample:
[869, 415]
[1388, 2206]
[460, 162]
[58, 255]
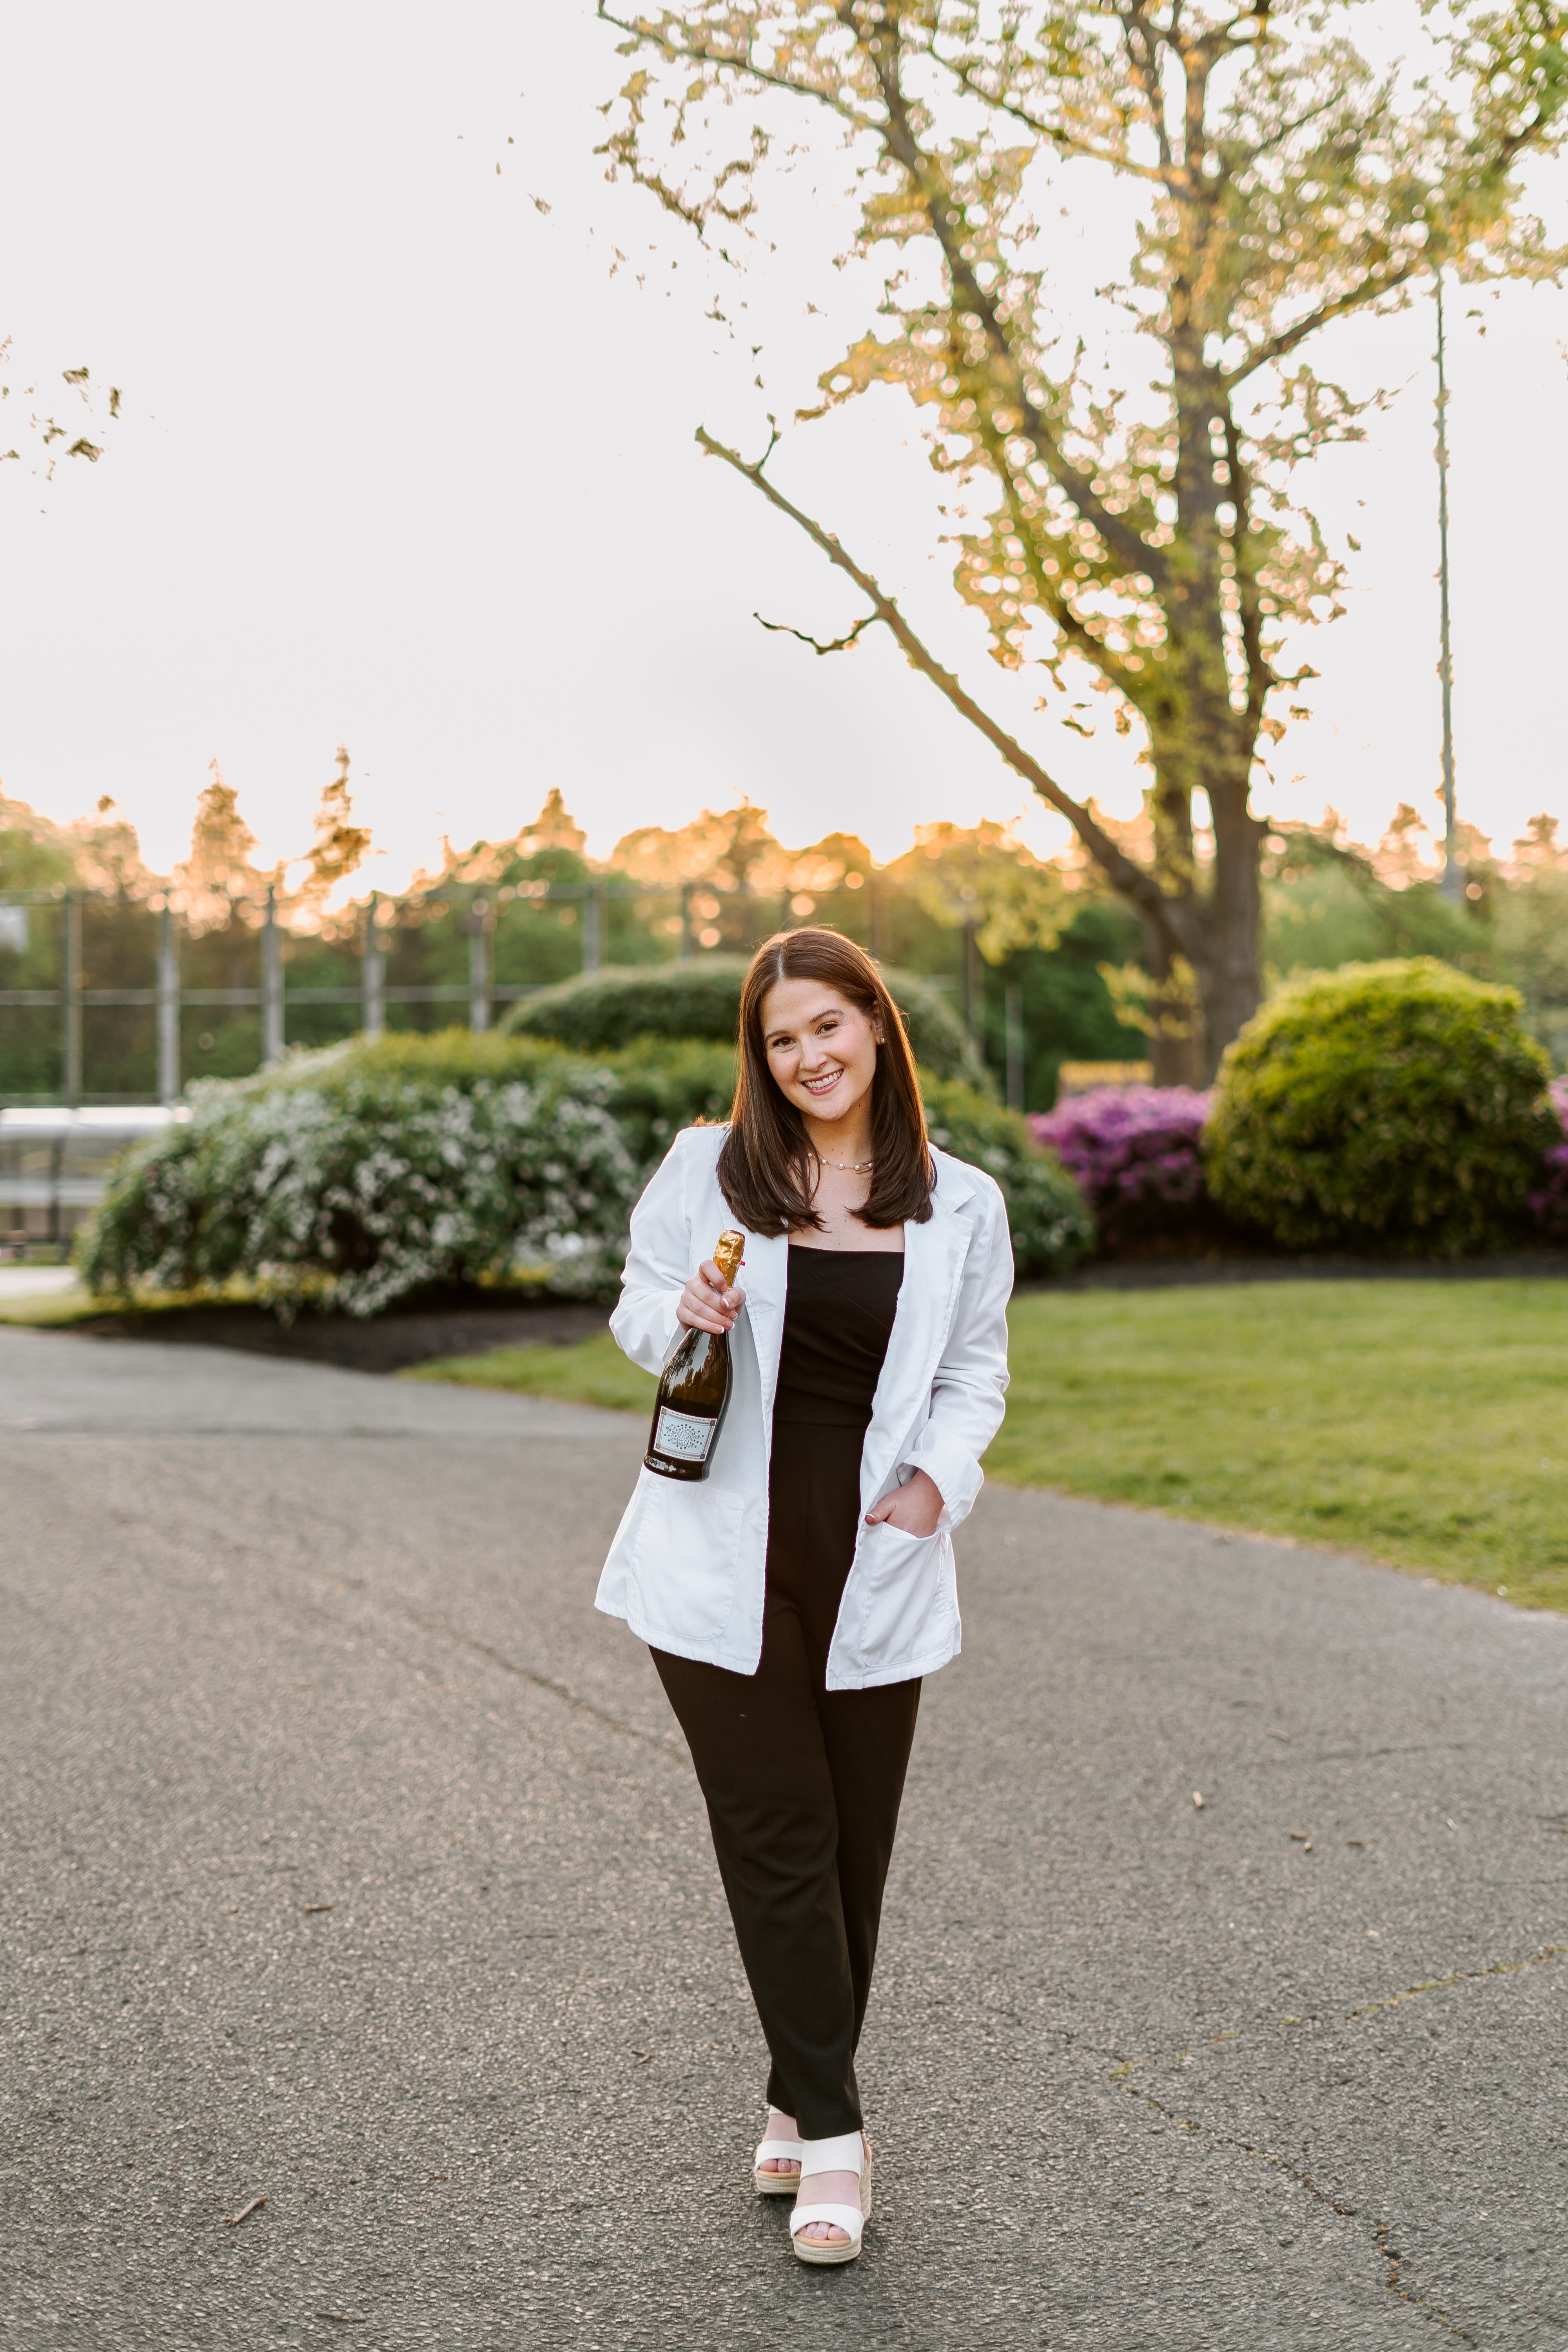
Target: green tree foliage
[1395, 1106]
[1068, 1012]
[984, 877]
[1327, 904]
[44, 439]
[1046, 929]
[42, 861]
[1152, 545]
[341, 846]
[1529, 926]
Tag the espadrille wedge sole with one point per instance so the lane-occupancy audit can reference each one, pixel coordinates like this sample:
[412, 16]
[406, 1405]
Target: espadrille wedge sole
[849, 2153]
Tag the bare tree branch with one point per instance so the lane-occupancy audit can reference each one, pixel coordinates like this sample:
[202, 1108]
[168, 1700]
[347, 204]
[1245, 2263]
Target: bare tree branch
[1278, 347]
[1063, 140]
[1138, 887]
[684, 53]
[838, 645]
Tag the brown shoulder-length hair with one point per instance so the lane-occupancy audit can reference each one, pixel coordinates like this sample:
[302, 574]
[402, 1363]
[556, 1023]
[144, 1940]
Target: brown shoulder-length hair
[766, 1168]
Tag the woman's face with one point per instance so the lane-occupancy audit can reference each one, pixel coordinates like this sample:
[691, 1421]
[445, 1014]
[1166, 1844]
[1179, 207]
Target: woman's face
[821, 1048]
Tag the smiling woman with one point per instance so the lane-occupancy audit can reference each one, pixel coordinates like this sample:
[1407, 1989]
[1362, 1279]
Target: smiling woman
[794, 1599]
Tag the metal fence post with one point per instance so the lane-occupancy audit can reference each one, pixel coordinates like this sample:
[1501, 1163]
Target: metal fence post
[1014, 1034]
[168, 1007]
[685, 920]
[373, 973]
[271, 986]
[70, 997]
[873, 918]
[478, 976]
[593, 951]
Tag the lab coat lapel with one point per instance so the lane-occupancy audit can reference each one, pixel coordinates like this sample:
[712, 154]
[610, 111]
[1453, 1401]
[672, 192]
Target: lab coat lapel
[764, 1278]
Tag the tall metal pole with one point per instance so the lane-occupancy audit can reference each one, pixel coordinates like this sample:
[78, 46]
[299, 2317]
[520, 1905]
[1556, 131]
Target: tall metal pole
[168, 1007]
[592, 947]
[974, 985]
[478, 974]
[1453, 879]
[372, 973]
[271, 985]
[1015, 1044]
[70, 997]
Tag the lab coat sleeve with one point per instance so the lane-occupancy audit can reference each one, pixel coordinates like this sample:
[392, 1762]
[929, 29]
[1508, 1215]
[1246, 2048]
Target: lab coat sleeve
[659, 1265]
[970, 1386]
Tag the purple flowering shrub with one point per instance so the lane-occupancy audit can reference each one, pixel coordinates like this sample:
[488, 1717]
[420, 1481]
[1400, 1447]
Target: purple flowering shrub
[1136, 1151]
[1549, 1205]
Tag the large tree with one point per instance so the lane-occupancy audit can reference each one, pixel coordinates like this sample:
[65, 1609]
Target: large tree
[1285, 184]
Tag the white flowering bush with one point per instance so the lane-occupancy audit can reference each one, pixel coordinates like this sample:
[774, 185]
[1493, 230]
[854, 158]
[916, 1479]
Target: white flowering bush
[352, 1184]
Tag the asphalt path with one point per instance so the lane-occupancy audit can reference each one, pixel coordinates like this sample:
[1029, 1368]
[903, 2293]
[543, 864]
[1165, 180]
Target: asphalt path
[352, 1863]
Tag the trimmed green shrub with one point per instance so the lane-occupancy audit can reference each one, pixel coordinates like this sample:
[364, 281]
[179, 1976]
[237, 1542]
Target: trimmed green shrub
[1394, 1108]
[699, 996]
[658, 1085]
[1051, 1223]
[443, 1057]
[661, 1087]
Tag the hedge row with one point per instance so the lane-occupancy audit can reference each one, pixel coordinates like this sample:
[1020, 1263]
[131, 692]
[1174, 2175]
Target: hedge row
[354, 1177]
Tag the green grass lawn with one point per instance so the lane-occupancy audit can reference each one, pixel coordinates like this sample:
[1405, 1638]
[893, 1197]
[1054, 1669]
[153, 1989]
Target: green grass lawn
[62, 1306]
[1424, 1423]
[592, 1371]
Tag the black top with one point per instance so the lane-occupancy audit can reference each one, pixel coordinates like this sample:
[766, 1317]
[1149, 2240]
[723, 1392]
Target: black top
[839, 1317]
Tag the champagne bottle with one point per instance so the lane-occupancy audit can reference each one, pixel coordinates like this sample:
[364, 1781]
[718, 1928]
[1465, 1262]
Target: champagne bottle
[694, 1390]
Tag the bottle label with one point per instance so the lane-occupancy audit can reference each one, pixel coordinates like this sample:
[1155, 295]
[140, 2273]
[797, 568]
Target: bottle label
[683, 1436]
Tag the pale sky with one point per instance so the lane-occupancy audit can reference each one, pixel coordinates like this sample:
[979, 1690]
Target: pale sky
[403, 465]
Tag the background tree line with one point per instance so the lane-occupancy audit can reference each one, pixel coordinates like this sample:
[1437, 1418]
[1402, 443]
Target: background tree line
[971, 908]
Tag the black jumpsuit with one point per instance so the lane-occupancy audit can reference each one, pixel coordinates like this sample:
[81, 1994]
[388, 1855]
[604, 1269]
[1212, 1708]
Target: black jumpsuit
[803, 1783]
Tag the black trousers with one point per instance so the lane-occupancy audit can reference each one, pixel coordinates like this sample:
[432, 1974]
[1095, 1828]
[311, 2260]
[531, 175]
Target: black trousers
[803, 1787]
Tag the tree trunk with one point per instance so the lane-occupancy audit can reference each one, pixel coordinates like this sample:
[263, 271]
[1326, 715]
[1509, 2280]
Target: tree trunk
[1230, 972]
[1175, 1014]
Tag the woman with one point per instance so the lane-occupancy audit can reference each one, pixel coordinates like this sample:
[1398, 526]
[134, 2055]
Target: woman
[795, 1598]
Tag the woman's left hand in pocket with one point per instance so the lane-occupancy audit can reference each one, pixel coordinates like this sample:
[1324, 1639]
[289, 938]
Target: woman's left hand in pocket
[914, 1508]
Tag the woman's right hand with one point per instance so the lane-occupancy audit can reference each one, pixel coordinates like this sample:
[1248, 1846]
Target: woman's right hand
[706, 1305]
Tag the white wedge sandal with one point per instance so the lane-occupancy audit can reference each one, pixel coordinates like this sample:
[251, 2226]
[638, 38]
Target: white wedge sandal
[783, 2151]
[850, 2152]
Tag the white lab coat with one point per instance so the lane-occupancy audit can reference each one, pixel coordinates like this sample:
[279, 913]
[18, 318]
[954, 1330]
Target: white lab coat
[687, 1567]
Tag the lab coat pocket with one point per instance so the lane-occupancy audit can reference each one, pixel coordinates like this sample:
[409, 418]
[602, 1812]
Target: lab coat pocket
[908, 1589]
[684, 1556]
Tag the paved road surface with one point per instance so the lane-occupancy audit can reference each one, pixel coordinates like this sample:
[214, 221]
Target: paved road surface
[351, 1864]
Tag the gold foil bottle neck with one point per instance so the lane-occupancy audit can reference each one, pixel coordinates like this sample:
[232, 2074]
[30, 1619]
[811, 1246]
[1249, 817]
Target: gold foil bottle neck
[728, 1252]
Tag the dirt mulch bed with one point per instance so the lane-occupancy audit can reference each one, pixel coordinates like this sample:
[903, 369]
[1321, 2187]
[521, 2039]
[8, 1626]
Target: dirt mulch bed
[463, 1323]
